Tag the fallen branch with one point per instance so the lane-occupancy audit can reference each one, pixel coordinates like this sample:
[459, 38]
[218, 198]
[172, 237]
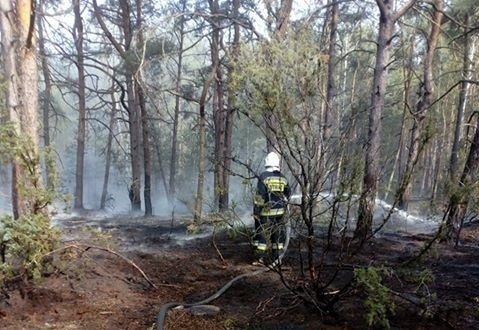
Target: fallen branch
[86, 247]
[216, 246]
[418, 302]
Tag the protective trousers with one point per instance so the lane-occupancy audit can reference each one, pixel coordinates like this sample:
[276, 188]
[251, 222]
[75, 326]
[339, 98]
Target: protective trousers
[269, 233]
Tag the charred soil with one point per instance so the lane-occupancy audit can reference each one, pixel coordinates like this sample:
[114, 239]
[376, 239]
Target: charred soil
[92, 288]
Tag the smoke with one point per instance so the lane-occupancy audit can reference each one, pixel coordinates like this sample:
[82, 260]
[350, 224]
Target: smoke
[390, 219]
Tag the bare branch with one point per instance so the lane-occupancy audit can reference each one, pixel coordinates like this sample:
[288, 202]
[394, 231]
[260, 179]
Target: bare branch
[86, 247]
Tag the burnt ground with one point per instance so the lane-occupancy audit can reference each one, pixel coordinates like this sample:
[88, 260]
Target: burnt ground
[96, 289]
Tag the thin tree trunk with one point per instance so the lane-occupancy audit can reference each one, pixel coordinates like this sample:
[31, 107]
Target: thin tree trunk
[176, 116]
[231, 108]
[330, 124]
[408, 75]
[141, 105]
[329, 114]
[47, 95]
[201, 148]
[222, 205]
[467, 69]
[160, 165]
[371, 171]
[81, 133]
[146, 151]
[459, 202]
[218, 107]
[134, 114]
[441, 146]
[135, 157]
[108, 149]
[419, 132]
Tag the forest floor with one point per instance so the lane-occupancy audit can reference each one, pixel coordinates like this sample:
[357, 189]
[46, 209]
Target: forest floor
[97, 289]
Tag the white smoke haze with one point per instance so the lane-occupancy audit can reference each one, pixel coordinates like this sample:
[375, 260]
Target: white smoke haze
[241, 191]
[389, 218]
[118, 211]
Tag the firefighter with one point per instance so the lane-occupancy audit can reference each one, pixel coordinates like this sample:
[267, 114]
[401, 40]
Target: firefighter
[270, 202]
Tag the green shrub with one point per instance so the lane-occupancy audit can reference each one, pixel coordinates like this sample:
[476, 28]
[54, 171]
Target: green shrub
[378, 301]
[24, 242]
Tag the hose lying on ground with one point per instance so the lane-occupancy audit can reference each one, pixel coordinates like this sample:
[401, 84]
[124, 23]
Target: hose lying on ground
[160, 320]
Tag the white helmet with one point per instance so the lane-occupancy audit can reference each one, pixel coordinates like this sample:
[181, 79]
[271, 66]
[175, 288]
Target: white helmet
[272, 160]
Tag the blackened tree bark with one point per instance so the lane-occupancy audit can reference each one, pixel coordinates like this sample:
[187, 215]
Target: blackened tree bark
[387, 18]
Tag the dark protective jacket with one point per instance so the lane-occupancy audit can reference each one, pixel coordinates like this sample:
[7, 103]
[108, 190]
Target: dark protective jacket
[272, 193]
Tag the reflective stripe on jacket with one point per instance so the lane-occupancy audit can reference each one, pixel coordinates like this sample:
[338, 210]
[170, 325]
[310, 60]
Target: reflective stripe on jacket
[271, 194]
[265, 212]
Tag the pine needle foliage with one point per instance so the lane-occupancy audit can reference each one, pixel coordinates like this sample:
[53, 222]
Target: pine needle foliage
[378, 302]
[281, 87]
[25, 241]
[280, 77]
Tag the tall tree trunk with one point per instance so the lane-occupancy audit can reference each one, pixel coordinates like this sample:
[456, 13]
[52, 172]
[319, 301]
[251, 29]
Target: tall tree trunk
[176, 115]
[221, 138]
[329, 115]
[140, 97]
[108, 148]
[201, 147]
[231, 108]
[161, 168]
[17, 24]
[218, 107]
[47, 94]
[408, 74]
[81, 133]
[146, 151]
[441, 146]
[134, 124]
[351, 127]
[467, 185]
[282, 18]
[467, 69]
[330, 122]
[387, 19]
[9, 35]
[134, 115]
[419, 132]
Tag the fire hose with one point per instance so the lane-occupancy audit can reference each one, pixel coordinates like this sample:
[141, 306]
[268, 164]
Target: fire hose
[160, 320]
